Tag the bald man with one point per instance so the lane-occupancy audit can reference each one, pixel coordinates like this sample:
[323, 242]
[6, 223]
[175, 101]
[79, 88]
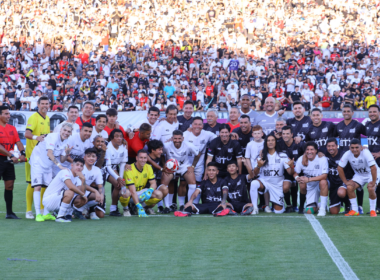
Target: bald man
[267, 120]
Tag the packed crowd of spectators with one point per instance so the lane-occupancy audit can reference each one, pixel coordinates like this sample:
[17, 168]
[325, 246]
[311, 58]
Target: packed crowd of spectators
[131, 55]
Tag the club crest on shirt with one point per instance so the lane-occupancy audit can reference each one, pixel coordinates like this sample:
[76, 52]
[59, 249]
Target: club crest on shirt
[230, 150]
[376, 129]
[352, 130]
[325, 129]
[360, 161]
[316, 167]
[218, 189]
[305, 125]
[278, 160]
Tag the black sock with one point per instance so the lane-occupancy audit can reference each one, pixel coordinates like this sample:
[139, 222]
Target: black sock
[287, 199]
[302, 201]
[8, 197]
[378, 197]
[294, 194]
[262, 199]
[91, 209]
[347, 202]
[360, 196]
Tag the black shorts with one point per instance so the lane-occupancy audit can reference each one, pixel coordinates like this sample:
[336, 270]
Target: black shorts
[207, 208]
[238, 206]
[7, 170]
[288, 177]
[334, 197]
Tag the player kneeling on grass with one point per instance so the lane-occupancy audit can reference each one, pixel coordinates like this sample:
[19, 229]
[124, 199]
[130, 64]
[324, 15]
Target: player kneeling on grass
[270, 168]
[94, 176]
[137, 179]
[214, 193]
[314, 181]
[52, 151]
[366, 172]
[179, 149]
[61, 191]
[237, 190]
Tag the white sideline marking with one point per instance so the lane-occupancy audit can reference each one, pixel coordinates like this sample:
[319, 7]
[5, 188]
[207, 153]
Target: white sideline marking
[342, 265]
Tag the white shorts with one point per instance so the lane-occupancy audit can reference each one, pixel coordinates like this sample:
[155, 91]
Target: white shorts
[312, 193]
[40, 176]
[362, 180]
[276, 193]
[182, 170]
[53, 201]
[199, 170]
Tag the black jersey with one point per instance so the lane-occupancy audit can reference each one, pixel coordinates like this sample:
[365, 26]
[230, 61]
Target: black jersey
[373, 134]
[224, 153]
[237, 188]
[214, 129]
[348, 132]
[184, 123]
[292, 151]
[320, 134]
[157, 172]
[244, 139]
[300, 128]
[333, 176]
[211, 193]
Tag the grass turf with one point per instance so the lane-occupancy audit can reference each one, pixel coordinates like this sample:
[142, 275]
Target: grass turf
[275, 247]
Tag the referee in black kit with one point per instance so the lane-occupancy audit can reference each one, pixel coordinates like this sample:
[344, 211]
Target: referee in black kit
[8, 138]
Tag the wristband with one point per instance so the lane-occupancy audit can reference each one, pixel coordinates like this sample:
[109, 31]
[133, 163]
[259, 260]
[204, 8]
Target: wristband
[23, 153]
[295, 178]
[58, 164]
[84, 195]
[35, 137]
[161, 169]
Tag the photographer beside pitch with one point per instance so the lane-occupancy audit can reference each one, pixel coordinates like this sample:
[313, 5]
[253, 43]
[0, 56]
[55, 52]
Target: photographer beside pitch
[8, 139]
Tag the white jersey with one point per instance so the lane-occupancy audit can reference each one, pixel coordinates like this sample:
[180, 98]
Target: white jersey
[200, 142]
[273, 172]
[315, 167]
[78, 147]
[52, 142]
[181, 154]
[139, 123]
[253, 151]
[361, 164]
[76, 128]
[102, 133]
[58, 183]
[93, 176]
[164, 131]
[115, 157]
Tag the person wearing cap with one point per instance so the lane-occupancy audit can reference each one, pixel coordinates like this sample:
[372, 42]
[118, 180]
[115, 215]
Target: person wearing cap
[333, 87]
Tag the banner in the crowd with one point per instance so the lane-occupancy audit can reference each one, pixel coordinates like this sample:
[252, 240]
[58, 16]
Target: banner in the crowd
[19, 119]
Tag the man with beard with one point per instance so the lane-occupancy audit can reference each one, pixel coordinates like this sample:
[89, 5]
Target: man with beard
[320, 130]
[268, 119]
[300, 123]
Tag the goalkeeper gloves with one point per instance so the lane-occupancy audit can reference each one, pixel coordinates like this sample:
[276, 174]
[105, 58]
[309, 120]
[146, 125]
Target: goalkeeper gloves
[146, 195]
[141, 210]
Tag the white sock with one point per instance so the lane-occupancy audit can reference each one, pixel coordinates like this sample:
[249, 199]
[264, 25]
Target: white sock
[46, 211]
[167, 200]
[170, 195]
[323, 202]
[63, 209]
[70, 211]
[125, 208]
[80, 209]
[255, 185]
[196, 200]
[37, 201]
[372, 204]
[181, 200]
[354, 204]
[113, 208]
[160, 204]
[191, 190]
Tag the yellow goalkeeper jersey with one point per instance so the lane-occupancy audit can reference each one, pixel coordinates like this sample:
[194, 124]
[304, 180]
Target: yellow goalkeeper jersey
[137, 177]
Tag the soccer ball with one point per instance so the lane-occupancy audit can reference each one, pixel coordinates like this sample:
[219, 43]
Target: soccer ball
[16, 154]
[172, 164]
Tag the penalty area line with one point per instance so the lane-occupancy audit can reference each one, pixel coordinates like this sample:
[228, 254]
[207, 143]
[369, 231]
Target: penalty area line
[335, 255]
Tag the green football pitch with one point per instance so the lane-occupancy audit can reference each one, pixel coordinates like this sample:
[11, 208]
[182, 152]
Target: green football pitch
[267, 246]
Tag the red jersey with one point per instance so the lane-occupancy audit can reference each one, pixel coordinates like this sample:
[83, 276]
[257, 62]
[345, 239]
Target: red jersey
[80, 121]
[325, 104]
[143, 100]
[180, 101]
[233, 126]
[63, 65]
[8, 137]
[109, 130]
[209, 90]
[84, 57]
[135, 144]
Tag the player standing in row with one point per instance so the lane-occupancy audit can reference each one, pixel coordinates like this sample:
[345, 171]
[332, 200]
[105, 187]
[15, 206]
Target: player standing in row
[223, 149]
[270, 168]
[116, 159]
[87, 112]
[245, 108]
[8, 139]
[212, 125]
[314, 180]
[165, 128]
[98, 129]
[112, 122]
[300, 123]
[320, 131]
[267, 120]
[138, 141]
[179, 149]
[373, 133]
[72, 116]
[38, 126]
[54, 150]
[366, 172]
[152, 120]
[185, 120]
